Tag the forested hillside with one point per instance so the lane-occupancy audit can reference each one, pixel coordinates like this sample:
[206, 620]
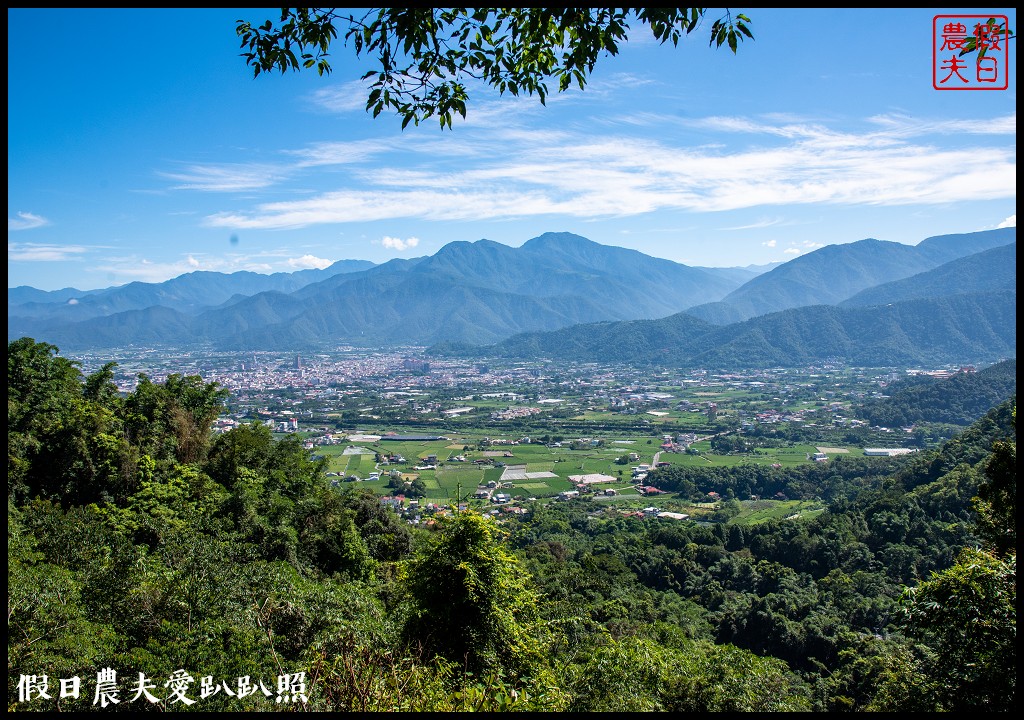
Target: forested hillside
[833, 273]
[478, 292]
[958, 400]
[930, 331]
[187, 562]
[989, 271]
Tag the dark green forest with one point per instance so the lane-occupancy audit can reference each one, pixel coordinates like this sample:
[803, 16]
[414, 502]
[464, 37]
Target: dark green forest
[926, 331]
[958, 400]
[186, 562]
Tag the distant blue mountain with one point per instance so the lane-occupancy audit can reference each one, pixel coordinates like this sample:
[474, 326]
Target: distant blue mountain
[986, 271]
[834, 273]
[26, 294]
[961, 328]
[188, 293]
[478, 292]
[562, 295]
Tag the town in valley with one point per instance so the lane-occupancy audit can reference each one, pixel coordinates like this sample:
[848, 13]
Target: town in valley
[430, 435]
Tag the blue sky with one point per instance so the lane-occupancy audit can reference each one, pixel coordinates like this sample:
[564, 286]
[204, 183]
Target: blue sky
[140, 147]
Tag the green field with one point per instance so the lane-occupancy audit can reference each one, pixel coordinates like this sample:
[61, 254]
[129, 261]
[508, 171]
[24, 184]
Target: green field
[492, 474]
[354, 463]
[451, 479]
[755, 512]
[539, 488]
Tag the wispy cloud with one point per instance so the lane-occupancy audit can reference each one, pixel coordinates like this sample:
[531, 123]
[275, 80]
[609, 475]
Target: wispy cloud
[338, 153]
[342, 98]
[769, 243]
[592, 176]
[30, 252]
[230, 177]
[26, 221]
[135, 267]
[617, 82]
[637, 178]
[906, 126]
[127, 268]
[763, 223]
[749, 125]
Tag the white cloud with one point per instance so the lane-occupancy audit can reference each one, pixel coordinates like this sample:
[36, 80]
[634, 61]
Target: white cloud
[615, 83]
[309, 261]
[907, 126]
[747, 125]
[26, 221]
[593, 176]
[792, 251]
[399, 244]
[30, 252]
[1008, 222]
[342, 98]
[764, 222]
[133, 267]
[770, 243]
[123, 269]
[229, 177]
[339, 153]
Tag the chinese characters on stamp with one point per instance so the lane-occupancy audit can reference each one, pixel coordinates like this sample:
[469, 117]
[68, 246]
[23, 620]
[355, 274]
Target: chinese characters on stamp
[985, 65]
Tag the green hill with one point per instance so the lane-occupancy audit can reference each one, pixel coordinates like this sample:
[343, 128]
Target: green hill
[958, 400]
[959, 328]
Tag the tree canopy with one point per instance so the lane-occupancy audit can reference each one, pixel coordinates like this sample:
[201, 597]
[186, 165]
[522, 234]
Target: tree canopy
[427, 56]
[140, 540]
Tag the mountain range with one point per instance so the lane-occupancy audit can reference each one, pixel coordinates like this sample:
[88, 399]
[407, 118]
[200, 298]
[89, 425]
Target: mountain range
[979, 327]
[187, 293]
[960, 400]
[834, 273]
[474, 292]
[561, 295]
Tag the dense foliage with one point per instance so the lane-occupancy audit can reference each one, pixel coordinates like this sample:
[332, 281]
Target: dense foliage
[922, 331]
[959, 400]
[428, 56]
[141, 543]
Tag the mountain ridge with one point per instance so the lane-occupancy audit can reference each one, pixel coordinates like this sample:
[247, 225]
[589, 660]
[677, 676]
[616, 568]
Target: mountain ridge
[954, 328]
[477, 291]
[834, 273]
[484, 292]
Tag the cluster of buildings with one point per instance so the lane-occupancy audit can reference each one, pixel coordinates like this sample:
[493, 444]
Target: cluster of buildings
[417, 512]
[652, 512]
[679, 443]
[513, 413]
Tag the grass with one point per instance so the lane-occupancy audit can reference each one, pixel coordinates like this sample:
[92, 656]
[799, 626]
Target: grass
[542, 487]
[451, 479]
[756, 512]
[492, 475]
